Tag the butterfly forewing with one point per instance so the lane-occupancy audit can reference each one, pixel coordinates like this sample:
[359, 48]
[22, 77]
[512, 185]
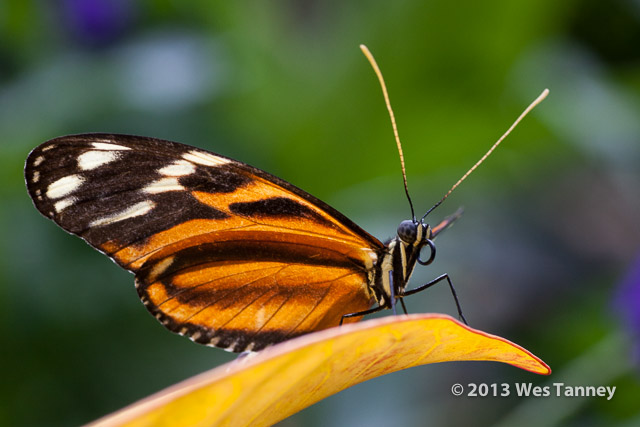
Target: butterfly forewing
[223, 252]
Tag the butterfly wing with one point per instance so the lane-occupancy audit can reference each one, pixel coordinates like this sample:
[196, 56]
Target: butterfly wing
[224, 253]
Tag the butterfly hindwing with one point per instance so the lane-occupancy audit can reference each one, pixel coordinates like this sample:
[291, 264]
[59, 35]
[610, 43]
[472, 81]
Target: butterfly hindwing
[243, 306]
[223, 252]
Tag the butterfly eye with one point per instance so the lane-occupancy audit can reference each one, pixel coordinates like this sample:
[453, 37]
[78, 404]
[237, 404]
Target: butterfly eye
[408, 231]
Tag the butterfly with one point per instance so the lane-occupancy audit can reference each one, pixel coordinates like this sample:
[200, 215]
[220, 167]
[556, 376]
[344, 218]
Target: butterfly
[222, 252]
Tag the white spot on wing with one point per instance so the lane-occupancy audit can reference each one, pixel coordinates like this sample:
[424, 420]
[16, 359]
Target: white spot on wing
[38, 160]
[63, 204]
[64, 186]
[202, 158]
[93, 159]
[108, 146]
[260, 317]
[131, 212]
[48, 148]
[232, 347]
[179, 168]
[36, 177]
[162, 185]
[160, 268]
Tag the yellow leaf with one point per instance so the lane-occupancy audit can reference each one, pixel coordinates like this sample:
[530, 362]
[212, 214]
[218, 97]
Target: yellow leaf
[269, 386]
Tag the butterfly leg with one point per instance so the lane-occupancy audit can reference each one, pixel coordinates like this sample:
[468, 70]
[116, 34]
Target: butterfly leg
[361, 313]
[438, 280]
[393, 293]
[404, 307]
[393, 296]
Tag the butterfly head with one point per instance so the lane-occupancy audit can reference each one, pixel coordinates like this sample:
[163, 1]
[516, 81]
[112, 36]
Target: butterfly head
[414, 232]
[417, 234]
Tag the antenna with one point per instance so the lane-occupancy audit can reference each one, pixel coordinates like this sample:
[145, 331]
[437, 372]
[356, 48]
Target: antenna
[531, 106]
[375, 67]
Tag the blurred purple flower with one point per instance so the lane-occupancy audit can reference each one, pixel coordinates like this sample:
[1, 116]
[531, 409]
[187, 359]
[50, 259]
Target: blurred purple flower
[627, 305]
[97, 22]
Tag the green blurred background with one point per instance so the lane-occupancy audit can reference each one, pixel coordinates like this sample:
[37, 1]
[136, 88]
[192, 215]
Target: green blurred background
[546, 254]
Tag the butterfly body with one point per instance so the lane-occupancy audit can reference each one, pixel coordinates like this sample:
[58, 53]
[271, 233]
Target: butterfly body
[223, 253]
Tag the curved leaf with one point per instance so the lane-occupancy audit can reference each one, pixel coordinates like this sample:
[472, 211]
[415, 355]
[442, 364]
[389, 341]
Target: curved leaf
[269, 386]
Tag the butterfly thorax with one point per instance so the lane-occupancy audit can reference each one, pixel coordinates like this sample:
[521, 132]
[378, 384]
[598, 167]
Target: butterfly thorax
[399, 259]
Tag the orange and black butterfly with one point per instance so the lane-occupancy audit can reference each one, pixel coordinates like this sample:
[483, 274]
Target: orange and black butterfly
[222, 252]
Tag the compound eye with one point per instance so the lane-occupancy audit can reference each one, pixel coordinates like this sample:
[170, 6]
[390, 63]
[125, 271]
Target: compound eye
[408, 231]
